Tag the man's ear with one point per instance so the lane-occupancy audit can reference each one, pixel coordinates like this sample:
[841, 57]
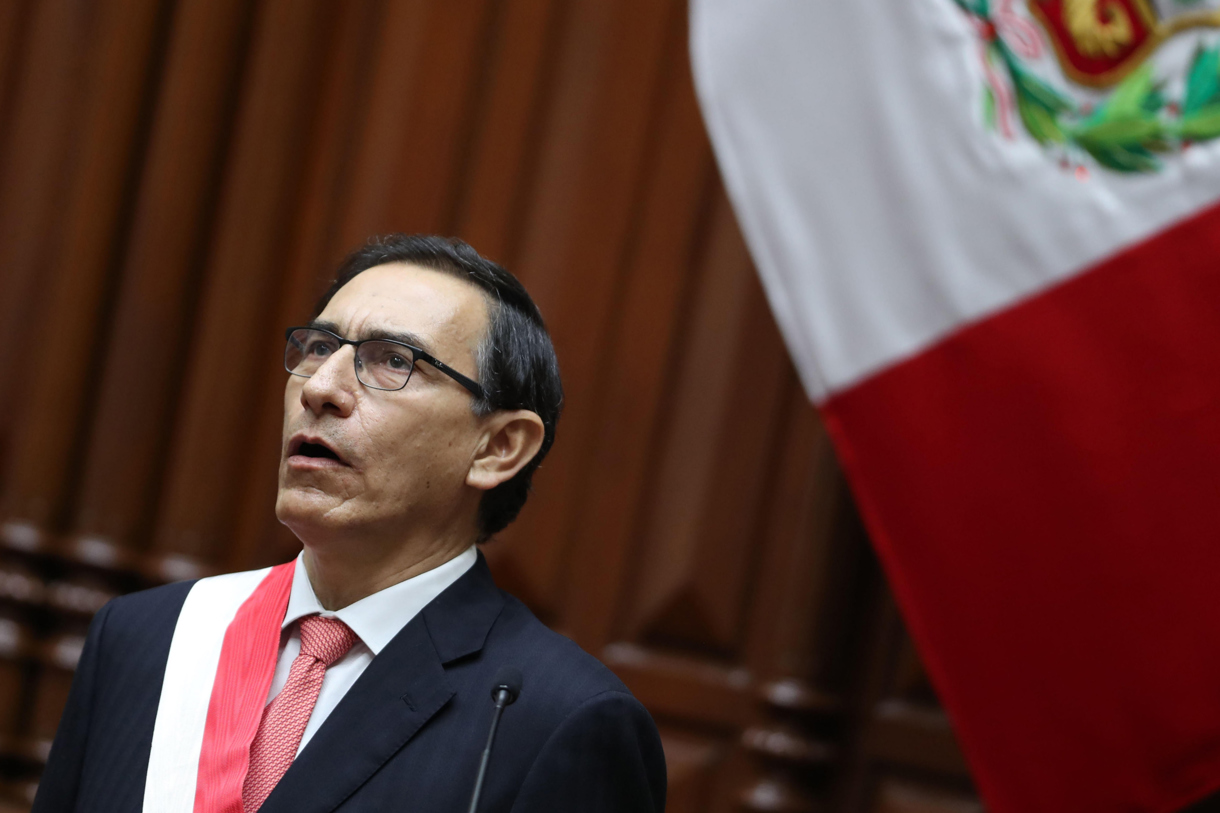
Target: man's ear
[511, 440]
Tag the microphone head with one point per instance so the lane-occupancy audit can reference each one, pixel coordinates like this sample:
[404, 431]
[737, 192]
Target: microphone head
[508, 679]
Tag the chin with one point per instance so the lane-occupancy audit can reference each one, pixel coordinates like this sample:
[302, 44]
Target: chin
[305, 509]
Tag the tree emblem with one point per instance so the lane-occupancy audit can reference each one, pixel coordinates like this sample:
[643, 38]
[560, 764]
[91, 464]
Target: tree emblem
[1100, 45]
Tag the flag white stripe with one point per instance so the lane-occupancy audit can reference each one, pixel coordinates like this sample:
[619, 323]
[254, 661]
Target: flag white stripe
[705, 48]
[881, 213]
[190, 671]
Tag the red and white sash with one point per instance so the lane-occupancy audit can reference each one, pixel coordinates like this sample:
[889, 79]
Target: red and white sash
[220, 665]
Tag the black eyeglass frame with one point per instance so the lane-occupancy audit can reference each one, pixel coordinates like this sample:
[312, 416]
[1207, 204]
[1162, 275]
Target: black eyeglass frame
[419, 354]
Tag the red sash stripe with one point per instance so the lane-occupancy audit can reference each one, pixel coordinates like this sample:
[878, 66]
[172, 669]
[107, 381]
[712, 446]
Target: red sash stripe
[243, 677]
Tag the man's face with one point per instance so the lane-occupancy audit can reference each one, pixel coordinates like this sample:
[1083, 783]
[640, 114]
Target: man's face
[403, 455]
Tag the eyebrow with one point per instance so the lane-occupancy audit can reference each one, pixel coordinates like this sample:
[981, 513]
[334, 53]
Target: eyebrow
[378, 333]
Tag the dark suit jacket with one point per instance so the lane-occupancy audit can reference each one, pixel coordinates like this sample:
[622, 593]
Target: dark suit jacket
[409, 733]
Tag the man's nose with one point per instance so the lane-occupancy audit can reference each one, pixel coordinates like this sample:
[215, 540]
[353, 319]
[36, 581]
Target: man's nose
[332, 387]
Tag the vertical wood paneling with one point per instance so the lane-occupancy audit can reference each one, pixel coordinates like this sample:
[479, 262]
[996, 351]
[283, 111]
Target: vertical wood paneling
[36, 155]
[13, 16]
[796, 706]
[66, 346]
[398, 40]
[796, 563]
[638, 360]
[409, 168]
[448, 86]
[516, 80]
[693, 564]
[139, 378]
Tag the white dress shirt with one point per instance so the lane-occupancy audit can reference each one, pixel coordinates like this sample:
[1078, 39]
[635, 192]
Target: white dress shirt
[375, 619]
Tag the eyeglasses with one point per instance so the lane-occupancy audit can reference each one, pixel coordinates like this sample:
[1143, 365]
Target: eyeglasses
[381, 364]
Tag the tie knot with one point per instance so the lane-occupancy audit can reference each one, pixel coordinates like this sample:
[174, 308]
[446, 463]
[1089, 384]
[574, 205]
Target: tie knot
[327, 639]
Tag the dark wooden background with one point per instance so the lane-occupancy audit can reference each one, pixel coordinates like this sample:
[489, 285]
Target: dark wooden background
[178, 178]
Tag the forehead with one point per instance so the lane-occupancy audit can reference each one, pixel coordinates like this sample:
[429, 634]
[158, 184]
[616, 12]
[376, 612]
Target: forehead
[411, 298]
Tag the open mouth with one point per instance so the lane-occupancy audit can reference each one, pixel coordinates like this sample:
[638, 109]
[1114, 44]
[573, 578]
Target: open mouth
[315, 450]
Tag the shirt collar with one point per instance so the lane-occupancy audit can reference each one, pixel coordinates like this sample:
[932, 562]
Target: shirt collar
[378, 618]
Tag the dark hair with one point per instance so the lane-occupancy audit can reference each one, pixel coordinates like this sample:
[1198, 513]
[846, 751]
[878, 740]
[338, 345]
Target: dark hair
[517, 364]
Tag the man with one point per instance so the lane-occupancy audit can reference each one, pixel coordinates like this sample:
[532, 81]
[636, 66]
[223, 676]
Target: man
[422, 397]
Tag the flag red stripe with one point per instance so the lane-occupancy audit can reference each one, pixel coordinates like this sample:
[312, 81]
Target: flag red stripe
[1044, 491]
[243, 676]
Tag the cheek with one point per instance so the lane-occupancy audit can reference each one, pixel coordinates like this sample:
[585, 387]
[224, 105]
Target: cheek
[422, 454]
[292, 399]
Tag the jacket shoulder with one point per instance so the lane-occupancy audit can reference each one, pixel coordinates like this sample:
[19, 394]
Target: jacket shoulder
[145, 614]
[579, 739]
[164, 597]
[552, 665]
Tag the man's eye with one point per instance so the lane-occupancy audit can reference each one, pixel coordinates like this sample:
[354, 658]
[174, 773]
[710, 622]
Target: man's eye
[399, 363]
[319, 349]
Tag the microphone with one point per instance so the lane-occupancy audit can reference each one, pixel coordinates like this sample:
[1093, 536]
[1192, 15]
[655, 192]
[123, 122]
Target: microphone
[504, 691]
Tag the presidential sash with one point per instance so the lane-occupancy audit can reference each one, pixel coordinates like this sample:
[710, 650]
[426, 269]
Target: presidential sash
[220, 665]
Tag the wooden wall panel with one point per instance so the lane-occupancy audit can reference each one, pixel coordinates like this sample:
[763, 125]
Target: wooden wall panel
[516, 77]
[417, 182]
[13, 16]
[181, 178]
[639, 362]
[397, 41]
[693, 563]
[140, 375]
[82, 262]
[36, 152]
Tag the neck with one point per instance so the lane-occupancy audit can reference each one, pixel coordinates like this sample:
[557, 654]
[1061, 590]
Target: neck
[342, 574]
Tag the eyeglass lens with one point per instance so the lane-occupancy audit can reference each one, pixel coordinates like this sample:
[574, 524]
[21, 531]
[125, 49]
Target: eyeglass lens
[380, 365]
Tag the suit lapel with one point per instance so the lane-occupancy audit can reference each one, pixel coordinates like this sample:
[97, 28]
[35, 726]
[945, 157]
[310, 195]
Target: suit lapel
[403, 687]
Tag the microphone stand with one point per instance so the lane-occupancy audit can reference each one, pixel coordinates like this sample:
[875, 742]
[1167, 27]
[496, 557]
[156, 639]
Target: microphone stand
[502, 697]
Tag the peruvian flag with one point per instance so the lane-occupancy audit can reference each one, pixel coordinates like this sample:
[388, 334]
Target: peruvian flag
[990, 232]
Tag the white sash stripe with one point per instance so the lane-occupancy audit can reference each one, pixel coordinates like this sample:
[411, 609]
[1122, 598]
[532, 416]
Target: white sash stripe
[190, 670]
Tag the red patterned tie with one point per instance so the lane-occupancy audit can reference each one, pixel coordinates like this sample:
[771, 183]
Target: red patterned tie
[323, 641]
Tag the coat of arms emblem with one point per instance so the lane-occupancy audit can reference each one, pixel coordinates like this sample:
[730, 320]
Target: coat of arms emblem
[1081, 79]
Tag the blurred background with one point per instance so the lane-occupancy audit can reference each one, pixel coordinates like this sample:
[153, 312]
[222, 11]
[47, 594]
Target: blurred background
[178, 181]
